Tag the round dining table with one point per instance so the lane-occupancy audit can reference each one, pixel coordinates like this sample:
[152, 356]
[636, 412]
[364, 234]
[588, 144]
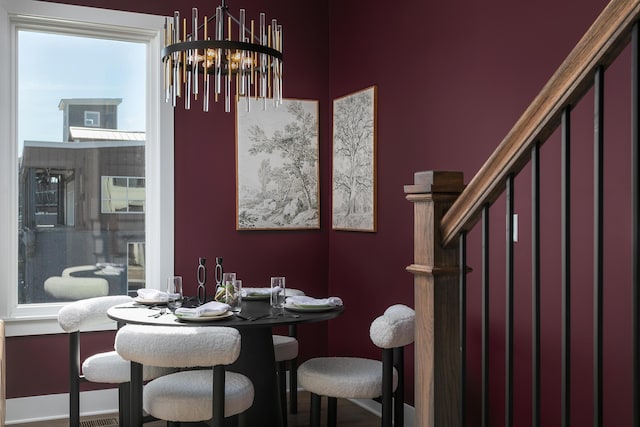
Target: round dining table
[256, 360]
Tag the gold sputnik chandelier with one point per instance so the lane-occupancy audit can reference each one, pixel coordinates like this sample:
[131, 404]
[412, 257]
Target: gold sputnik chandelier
[208, 62]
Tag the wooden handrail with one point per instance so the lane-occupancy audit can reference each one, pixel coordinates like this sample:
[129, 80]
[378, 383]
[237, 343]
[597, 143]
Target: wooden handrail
[600, 45]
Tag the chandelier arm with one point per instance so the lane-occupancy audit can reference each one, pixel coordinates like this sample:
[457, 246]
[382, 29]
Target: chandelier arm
[220, 44]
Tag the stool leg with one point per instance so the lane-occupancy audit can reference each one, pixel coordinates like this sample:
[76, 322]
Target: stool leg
[293, 386]
[332, 411]
[282, 388]
[124, 413]
[315, 410]
[74, 379]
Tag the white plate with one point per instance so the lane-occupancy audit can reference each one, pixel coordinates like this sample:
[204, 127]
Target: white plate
[294, 307]
[204, 318]
[255, 297]
[149, 301]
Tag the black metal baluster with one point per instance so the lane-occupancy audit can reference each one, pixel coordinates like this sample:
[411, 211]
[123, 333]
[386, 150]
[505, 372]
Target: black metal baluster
[535, 284]
[485, 316]
[463, 323]
[598, 211]
[635, 206]
[566, 267]
[510, 194]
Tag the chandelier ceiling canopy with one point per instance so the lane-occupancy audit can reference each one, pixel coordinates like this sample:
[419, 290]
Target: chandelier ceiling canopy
[208, 61]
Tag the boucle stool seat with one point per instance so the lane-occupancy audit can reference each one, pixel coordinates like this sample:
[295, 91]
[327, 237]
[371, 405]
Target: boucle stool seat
[284, 347]
[361, 378]
[110, 368]
[186, 396]
[190, 395]
[343, 377]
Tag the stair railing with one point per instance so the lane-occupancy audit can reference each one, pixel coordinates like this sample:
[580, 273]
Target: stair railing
[445, 210]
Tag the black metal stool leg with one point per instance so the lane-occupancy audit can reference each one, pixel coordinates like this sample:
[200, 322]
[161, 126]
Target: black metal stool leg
[124, 411]
[293, 386]
[332, 411]
[282, 388]
[315, 410]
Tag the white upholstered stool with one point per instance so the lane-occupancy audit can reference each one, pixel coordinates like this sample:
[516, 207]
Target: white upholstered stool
[189, 395]
[285, 349]
[283, 346]
[360, 378]
[107, 367]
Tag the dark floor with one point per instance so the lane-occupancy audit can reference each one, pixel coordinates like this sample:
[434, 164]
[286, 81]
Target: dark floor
[349, 415]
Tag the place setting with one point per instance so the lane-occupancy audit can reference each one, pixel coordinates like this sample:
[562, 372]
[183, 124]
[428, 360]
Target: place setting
[304, 303]
[170, 305]
[226, 301]
[207, 312]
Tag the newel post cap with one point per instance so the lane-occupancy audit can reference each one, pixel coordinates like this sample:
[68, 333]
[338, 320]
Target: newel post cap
[436, 182]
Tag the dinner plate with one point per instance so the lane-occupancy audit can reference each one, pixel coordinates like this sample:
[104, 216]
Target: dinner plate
[255, 297]
[204, 318]
[146, 301]
[309, 307]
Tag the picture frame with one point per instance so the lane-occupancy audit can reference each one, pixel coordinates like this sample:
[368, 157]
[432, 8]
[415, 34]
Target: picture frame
[354, 167]
[277, 172]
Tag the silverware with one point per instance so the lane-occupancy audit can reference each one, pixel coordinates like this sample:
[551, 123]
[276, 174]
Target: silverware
[162, 311]
[260, 317]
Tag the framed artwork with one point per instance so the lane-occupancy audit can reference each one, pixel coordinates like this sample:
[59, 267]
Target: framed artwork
[354, 162]
[277, 176]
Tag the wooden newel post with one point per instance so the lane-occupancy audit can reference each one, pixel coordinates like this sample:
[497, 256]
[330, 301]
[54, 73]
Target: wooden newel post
[435, 270]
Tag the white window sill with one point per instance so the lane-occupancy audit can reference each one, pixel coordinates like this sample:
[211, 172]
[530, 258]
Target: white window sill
[41, 320]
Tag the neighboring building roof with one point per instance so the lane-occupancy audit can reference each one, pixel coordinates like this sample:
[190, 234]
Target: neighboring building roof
[81, 145]
[88, 101]
[77, 134]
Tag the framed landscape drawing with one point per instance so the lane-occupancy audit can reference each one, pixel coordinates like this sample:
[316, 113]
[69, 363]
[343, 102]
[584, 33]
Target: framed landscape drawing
[277, 177]
[354, 161]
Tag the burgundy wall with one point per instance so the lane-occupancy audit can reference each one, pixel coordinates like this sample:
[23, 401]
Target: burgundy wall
[452, 79]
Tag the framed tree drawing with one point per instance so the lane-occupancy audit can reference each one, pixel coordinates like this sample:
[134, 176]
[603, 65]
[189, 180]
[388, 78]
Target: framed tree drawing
[354, 162]
[277, 177]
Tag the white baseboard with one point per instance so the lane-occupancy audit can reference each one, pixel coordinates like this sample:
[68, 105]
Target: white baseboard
[56, 406]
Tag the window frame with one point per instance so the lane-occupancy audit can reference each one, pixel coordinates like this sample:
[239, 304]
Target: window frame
[104, 199]
[89, 113]
[36, 319]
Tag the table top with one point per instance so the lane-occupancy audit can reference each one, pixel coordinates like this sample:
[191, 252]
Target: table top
[254, 314]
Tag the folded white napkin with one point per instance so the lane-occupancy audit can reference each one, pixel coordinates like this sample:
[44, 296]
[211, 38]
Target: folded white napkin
[152, 295]
[212, 308]
[306, 300]
[259, 291]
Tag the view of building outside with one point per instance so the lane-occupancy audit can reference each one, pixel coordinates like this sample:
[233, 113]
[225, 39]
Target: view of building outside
[81, 157]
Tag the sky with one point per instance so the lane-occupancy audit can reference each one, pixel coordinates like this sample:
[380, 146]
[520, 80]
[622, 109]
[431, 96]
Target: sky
[56, 66]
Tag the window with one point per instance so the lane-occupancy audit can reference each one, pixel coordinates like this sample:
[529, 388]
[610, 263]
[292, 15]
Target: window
[122, 194]
[53, 178]
[92, 118]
